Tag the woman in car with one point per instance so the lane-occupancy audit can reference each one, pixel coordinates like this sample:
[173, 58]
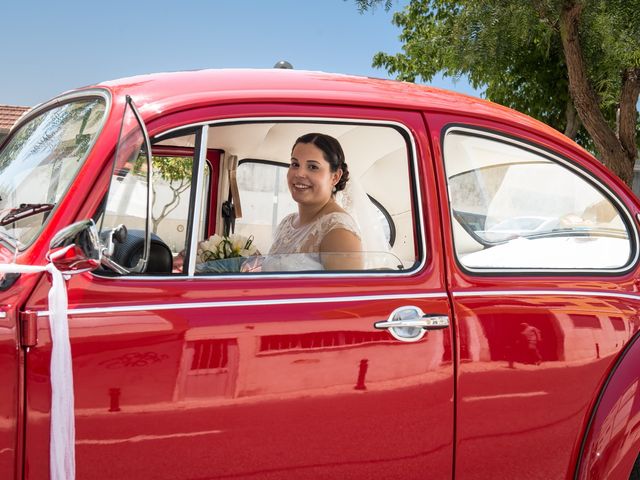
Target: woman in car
[321, 235]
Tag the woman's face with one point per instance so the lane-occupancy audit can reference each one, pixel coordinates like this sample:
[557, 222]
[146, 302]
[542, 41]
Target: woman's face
[310, 178]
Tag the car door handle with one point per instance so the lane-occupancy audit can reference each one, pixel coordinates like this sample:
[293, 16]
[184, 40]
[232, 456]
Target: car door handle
[410, 323]
[428, 322]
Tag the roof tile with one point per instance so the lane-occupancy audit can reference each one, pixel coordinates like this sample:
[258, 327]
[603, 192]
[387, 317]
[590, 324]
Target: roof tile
[9, 114]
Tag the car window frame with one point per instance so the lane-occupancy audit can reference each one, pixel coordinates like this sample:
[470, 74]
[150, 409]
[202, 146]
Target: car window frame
[423, 253]
[550, 155]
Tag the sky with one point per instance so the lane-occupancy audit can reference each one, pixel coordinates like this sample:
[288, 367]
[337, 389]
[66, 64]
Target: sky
[54, 46]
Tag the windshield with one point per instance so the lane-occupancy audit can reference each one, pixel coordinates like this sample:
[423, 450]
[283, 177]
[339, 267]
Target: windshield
[39, 162]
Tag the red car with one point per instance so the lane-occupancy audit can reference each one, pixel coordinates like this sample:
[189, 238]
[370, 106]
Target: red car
[493, 335]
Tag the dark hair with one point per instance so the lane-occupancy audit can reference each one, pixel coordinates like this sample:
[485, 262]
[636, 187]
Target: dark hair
[332, 153]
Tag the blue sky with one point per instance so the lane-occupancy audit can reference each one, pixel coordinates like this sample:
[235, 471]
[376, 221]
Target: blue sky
[54, 46]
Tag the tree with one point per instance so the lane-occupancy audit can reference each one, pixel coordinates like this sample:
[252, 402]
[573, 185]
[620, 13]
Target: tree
[574, 64]
[176, 172]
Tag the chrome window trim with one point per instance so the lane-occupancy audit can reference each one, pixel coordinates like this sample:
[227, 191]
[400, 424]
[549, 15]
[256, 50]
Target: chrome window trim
[550, 156]
[412, 151]
[193, 241]
[66, 98]
[512, 293]
[249, 303]
[142, 265]
[349, 299]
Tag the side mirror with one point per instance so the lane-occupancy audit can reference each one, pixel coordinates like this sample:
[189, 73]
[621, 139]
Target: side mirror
[76, 248]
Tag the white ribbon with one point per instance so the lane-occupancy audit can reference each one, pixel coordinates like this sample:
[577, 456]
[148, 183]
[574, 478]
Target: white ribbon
[63, 434]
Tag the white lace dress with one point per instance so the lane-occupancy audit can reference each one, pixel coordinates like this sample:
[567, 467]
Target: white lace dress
[297, 248]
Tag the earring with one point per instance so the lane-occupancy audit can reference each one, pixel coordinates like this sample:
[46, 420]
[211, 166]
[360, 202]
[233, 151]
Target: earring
[335, 189]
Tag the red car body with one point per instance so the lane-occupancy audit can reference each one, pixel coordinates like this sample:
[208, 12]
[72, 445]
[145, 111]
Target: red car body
[371, 407]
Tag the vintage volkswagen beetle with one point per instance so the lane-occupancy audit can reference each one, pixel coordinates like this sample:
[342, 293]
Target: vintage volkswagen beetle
[494, 337]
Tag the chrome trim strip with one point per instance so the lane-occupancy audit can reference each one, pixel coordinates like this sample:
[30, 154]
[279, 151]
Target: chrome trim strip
[524, 271]
[419, 212]
[254, 276]
[511, 293]
[193, 241]
[142, 264]
[249, 303]
[548, 155]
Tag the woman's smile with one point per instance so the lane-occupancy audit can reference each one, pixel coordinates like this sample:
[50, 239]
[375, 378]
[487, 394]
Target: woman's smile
[310, 178]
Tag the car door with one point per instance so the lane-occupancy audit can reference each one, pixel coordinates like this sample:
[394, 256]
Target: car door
[542, 258]
[38, 161]
[198, 374]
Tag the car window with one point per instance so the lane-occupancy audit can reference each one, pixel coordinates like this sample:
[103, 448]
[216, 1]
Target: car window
[251, 198]
[514, 207]
[243, 209]
[257, 157]
[39, 162]
[171, 194]
[172, 175]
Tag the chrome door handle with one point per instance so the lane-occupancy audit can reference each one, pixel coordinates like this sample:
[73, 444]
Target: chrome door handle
[401, 323]
[410, 324]
[428, 322]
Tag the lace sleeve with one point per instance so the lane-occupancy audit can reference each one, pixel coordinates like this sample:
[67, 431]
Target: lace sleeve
[282, 236]
[307, 238]
[339, 220]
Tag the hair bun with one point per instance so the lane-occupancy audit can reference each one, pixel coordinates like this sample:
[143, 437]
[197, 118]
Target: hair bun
[344, 178]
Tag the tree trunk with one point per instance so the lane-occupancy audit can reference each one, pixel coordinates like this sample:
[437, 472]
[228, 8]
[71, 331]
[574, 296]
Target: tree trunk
[628, 110]
[612, 150]
[573, 121]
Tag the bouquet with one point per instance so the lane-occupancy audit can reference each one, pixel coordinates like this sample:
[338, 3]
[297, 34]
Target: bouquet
[225, 254]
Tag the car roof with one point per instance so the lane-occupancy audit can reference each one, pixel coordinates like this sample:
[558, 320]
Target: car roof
[161, 93]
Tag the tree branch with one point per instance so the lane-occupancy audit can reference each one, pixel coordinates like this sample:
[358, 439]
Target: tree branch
[628, 110]
[545, 15]
[173, 204]
[175, 200]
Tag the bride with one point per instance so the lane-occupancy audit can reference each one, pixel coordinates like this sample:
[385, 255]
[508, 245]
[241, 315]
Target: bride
[322, 235]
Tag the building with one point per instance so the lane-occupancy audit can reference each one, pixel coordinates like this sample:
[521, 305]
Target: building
[9, 114]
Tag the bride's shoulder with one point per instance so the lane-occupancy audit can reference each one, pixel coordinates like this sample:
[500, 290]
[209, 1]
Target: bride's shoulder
[340, 219]
[335, 213]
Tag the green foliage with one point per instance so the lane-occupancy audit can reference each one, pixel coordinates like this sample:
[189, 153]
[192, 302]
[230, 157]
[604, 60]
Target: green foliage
[512, 50]
[364, 5]
[611, 42]
[173, 168]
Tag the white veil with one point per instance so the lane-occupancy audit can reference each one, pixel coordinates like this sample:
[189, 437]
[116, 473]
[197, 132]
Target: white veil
[355, 201]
